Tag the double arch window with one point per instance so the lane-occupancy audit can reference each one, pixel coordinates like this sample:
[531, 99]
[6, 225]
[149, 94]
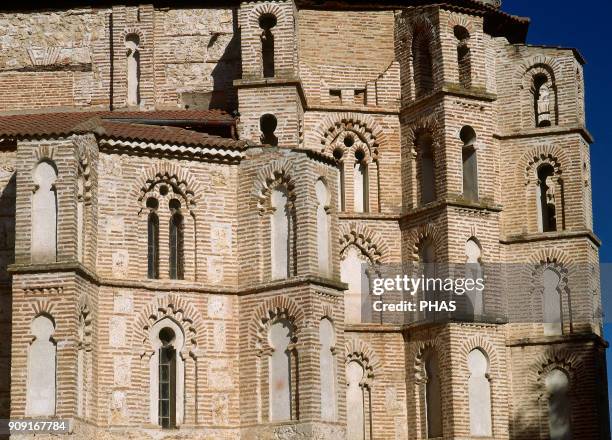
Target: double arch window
[176, 239]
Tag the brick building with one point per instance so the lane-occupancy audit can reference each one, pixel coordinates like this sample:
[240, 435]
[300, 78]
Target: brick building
[189, 190]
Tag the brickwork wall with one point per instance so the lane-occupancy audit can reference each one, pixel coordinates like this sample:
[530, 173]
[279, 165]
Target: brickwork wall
[338, 73]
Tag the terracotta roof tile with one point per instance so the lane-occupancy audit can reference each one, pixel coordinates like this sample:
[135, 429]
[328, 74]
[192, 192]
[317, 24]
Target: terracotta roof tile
[130, 126]
[163, 135]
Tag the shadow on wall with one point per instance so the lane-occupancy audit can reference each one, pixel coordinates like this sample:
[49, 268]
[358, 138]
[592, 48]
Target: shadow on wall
[560, 411]
[7, 257]
[228, 68]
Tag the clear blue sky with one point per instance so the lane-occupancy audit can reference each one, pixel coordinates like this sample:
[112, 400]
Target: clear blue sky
[586, 26]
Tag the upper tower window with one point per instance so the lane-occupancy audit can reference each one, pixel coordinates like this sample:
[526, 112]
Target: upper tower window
[425, 168]
[132, 44]
[422, 66]
[44, 214]
[266, 23]
[470, 165]
[543, 100]
[546, 196]
[464, 60]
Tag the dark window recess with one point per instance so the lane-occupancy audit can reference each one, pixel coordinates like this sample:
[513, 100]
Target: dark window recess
[167, 387]
[176, 247]
[153, 246]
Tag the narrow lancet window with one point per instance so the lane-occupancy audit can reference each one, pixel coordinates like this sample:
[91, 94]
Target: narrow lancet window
[132, 45]
[176, 241]
[464, 59]
[479, 392]
[279, 230]
[422, 65]
[360, 183]
[425, 168]
[543, 100]
[266, 23]
[44, 214]
[470, 164]
[153, 239]
[280, 371]
[547, 198]
[559, 405]
[323, 229]
[41, 380]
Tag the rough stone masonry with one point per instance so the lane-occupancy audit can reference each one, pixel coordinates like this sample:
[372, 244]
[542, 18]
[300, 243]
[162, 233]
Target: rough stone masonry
[190, 191]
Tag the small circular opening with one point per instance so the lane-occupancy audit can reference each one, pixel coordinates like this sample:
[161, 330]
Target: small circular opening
[349, 141]
[268, 123]
[267, 21]
[152, 203]
[174, 204]
[166, 336]
[461, 33]
[338, 153]
[468, 136]
[163, 190]
[359, 155]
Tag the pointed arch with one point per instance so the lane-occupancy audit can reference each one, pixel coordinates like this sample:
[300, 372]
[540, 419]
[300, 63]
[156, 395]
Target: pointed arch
[179, 179]
[333, 128]
[556, 357]
[419, 235]
[269, 177]
[541, 154]
[278, 307]
[361, 351]
[370, 242]
[180, 311]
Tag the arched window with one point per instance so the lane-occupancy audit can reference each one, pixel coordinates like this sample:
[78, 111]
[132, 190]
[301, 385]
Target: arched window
[355, 417]
[327, 364]
[44, 214]
[84, 367]
[176, 241]
[323, 229]
[473, 254]
[280, 371]
[470, 165]
[353, 272]
[167, 374]
[559, 405]
[425, 168]
[546, 199]
[279, 232]
[551, 303]
[41, 381]
[266, 23]
[422, 65]
[153, 239]
[433, 396]
[464, 60]
[267, 125]
[479, 392]
[167, 379]
[360, 183]
[132, 45]
[543, 100]
[338, 154]
[80, 218]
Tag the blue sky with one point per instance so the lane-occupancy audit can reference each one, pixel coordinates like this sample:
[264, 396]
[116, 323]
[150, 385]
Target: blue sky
[585, 26]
